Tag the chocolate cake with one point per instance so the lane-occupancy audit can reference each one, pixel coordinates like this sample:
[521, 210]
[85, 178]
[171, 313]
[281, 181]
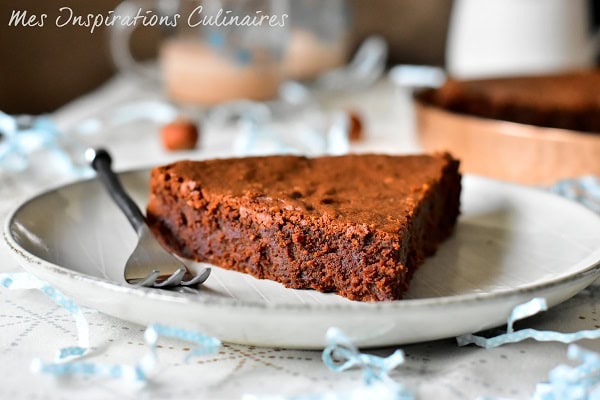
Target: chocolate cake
[357, 225]
[567, 101]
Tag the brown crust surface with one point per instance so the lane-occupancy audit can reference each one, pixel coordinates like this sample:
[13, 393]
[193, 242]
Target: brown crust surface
[566, 101]
[358, 225]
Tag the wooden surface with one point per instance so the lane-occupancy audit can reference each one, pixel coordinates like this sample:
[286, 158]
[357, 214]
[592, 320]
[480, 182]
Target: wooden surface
[507, 150]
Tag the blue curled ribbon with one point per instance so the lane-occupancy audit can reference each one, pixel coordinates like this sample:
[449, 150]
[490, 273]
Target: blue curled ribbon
[24, 280]
[143, 369]
[10, 155]
[204, 344]
[139, 372]
[341, 355]
[521, 311]
[584, 190]
[126, 372]
[573, 383]
[22, 135]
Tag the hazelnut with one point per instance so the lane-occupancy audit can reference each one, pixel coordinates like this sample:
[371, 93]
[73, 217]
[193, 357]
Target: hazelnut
[181, 134]
[356, 126]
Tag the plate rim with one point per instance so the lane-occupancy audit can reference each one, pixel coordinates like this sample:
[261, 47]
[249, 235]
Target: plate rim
[21, 254]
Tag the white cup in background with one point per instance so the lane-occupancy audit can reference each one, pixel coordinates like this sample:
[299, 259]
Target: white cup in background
[514, 37]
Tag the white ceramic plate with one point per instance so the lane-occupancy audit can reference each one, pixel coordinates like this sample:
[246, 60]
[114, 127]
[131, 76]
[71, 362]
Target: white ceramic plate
[511, 244]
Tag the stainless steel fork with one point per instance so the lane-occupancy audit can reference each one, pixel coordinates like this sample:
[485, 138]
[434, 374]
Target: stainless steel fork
[149, 264]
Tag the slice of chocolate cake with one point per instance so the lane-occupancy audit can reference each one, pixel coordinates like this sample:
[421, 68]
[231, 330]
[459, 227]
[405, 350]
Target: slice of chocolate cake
[357, 225]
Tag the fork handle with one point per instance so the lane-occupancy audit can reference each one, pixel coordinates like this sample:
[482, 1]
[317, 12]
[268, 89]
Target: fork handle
[101, 162]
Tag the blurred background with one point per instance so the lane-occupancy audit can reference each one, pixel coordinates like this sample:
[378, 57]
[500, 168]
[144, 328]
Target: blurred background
[43, 68]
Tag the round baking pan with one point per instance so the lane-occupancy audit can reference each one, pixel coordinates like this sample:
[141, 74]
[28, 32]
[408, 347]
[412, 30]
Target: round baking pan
[507, 150]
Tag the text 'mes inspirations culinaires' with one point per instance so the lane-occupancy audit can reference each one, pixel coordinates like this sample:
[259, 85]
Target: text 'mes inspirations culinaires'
[67, 16]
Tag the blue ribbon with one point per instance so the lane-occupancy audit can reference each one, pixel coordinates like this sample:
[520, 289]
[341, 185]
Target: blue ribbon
[341, 355]
[20, 136]
[573, 383]
[144, 368]
[584, 190]
[565, 382]
[521, 311]
[24, 280]
[64, 366]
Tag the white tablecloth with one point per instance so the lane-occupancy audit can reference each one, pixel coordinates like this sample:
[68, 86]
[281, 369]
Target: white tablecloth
[32, 326]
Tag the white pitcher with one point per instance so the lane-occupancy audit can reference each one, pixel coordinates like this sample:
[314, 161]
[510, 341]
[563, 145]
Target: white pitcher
[509, 37]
